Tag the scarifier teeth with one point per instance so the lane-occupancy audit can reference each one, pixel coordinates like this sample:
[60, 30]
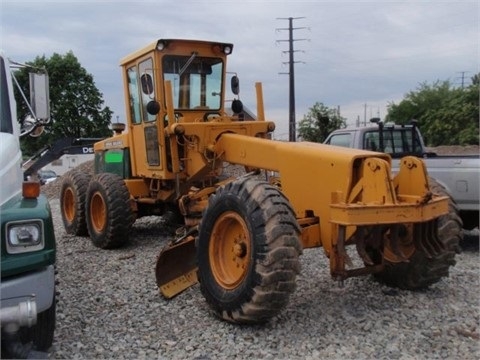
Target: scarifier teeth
[426, 239]
[346, 258]
[348, 261]
[360, 245]
[418, 240]
[394, 244]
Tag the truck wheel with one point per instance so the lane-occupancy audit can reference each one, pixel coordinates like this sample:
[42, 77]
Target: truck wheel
[108, 211]
[247, 251]
[72, 202]
[41, 334]
[421, 271]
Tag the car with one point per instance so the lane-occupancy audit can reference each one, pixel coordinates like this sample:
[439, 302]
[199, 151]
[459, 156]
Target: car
[46, 176]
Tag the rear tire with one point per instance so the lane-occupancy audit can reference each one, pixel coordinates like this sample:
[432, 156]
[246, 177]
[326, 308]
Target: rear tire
[247, 251]
[421, 272]
[73, 195]
[108, 211]
[450, 226]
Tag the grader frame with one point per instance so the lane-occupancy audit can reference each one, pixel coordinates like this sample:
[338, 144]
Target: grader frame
[242, 237]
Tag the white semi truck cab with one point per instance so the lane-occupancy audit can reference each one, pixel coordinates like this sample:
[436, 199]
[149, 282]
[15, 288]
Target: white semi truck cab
[28, 247]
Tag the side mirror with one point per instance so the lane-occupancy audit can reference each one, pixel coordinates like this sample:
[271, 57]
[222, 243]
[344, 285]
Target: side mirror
[153, 107]
[31, 127]
[237, 106]
[147, 84]
[40, 96]
[235, 84]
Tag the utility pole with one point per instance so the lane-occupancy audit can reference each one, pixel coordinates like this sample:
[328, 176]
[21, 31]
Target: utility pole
[463, 77]
[365, 114]
[291, 73]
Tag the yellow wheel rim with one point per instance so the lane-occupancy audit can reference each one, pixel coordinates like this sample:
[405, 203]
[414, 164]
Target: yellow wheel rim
[405, 245]
[230, 250]
[98, 212]
[69, 207]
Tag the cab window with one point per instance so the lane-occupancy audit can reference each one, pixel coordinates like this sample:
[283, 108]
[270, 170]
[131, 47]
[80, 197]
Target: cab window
[371, 141]
[135, 112]
[341, 140]
[196, 81]
[395, 141]
[147, 88]
[6, 121]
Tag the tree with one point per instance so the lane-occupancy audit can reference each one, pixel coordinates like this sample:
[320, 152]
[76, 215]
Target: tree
[76, 104]
[319, 122]
[446, 115]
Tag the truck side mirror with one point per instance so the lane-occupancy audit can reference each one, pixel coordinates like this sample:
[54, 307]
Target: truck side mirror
[40, 96]
[235, 84]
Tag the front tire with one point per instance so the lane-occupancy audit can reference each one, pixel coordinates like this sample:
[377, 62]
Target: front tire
[41, 334]
[109, 215]
[247, 251]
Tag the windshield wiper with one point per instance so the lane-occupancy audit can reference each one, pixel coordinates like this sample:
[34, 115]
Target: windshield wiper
[187, 64]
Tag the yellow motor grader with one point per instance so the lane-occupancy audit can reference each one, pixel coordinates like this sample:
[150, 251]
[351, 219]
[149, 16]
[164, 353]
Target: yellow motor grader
[241, 237]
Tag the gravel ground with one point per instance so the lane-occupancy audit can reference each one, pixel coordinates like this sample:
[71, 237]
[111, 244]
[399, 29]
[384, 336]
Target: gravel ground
[109, 307]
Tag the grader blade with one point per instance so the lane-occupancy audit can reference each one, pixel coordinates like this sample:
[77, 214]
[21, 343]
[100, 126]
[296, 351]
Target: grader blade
[176, 268]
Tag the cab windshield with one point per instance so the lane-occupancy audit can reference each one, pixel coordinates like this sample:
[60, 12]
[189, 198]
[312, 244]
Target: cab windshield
[196, 81]
[6, 117]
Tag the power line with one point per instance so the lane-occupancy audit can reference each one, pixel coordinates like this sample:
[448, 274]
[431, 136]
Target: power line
[291, 72]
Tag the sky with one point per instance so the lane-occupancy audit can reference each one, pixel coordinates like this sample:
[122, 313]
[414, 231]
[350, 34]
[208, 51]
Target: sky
[358, 56]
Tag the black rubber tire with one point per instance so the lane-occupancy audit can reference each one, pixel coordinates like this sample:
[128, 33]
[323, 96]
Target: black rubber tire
[73, 195]
[421, 272]
[450, 226]
[41, 334]
[273, 261]
[108, 225]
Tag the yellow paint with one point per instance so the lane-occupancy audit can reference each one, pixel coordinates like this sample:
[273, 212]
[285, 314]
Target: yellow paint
[333, 190]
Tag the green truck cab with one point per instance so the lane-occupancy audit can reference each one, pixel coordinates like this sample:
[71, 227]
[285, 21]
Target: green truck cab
[28, 249]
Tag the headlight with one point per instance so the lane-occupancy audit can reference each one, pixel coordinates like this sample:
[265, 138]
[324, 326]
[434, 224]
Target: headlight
[25, 236]
[227, 49]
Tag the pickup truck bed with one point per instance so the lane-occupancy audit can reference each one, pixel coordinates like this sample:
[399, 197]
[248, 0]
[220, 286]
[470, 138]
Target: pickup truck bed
[460, 175]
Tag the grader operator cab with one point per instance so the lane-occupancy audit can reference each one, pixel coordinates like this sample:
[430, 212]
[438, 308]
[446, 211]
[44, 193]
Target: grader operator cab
[242, 237]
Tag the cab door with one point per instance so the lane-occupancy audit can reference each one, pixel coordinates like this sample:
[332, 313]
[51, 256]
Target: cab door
[147, 151]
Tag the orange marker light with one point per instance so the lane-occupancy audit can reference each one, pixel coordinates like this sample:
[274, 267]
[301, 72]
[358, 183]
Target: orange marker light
[31, 189]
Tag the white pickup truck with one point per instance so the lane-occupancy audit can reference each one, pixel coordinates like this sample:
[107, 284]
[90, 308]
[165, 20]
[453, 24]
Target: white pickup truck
[459, 175]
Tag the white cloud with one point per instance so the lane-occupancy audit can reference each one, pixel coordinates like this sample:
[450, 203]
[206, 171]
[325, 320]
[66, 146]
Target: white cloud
[25, 47]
